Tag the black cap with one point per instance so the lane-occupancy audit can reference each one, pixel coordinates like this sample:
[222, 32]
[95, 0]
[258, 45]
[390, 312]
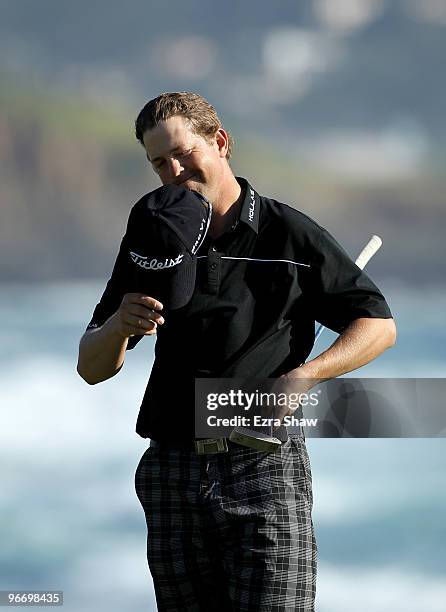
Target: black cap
[164, 233]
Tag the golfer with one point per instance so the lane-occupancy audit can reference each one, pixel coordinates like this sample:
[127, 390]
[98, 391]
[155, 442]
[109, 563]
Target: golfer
[231, 282]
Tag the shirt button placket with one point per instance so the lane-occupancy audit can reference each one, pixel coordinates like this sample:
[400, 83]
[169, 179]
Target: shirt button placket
[213, 270]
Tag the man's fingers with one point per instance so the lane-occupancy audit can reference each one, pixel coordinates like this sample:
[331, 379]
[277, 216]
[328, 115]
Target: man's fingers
[139, 315]
[144, 299]
[148, 301]
[140, 324]
[149, 332]
[152, 328]
[145, 313]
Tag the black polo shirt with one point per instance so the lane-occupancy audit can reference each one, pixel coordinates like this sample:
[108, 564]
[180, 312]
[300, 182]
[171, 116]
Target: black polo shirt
[260, 288]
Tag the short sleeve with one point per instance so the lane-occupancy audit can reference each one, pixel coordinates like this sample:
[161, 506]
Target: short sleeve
[341, 291]
[117, 286]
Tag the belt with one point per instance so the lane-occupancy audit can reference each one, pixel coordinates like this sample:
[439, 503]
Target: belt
[206, 446]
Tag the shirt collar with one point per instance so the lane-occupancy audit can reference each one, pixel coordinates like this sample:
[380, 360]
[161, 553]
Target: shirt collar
[250, 210]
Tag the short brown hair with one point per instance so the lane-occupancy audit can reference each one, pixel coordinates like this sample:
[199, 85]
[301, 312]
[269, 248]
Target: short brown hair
[201, 116]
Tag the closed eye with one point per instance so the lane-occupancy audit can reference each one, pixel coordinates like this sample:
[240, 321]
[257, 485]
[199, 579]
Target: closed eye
[159, 163]
[184, 153]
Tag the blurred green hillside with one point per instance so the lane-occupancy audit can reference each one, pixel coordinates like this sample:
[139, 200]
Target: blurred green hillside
[71, 170]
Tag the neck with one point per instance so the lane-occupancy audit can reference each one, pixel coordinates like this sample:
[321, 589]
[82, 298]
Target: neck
[226, 209]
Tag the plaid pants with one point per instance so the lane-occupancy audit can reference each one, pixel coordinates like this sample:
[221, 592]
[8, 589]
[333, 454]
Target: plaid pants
[230, 531]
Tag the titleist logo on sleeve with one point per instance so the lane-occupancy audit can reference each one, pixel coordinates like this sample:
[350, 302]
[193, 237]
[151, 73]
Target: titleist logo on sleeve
[152, 263]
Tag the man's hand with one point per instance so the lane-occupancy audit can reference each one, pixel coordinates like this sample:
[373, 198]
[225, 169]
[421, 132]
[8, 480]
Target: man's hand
[137, 315]
[102, 350]
[294, 388]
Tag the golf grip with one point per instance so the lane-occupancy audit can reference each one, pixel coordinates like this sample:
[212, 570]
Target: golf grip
[373, 245]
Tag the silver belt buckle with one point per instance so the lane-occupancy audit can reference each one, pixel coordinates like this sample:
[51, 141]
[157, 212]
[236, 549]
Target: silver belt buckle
[211, 445]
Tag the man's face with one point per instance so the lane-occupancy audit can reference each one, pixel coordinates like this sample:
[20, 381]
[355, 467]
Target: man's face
[181, 157]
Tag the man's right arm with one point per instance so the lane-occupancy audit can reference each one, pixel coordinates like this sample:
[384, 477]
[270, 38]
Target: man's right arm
[102, 350]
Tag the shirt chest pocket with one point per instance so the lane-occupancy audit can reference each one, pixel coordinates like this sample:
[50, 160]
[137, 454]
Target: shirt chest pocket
[272, 280]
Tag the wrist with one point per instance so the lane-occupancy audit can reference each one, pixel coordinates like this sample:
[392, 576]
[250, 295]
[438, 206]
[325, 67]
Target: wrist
[307, 371]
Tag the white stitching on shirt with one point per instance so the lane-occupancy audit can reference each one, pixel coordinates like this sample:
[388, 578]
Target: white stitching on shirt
[296, 263]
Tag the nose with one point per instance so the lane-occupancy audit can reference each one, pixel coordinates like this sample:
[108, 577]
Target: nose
[175, 168]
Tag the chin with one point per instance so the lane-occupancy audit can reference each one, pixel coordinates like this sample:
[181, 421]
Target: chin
[193, 185]
[190, 184]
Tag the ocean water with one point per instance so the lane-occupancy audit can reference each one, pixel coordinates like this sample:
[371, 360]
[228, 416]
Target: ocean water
[69, 516]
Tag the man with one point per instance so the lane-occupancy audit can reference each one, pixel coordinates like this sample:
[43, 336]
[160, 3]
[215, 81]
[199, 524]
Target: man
[231, 530]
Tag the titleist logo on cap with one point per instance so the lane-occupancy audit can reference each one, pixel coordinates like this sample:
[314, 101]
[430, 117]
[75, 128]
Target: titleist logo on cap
[152, 263]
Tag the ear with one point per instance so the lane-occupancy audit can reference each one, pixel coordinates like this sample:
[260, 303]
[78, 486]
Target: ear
[222, 141]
